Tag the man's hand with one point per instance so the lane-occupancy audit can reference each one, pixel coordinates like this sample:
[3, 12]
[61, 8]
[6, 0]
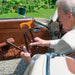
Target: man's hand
[40, 42]
[26, 55]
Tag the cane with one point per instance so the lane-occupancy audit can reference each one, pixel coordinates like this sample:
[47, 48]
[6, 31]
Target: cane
[29, 27]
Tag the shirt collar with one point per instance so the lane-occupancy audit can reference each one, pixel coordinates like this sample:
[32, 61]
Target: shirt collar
[73, 27]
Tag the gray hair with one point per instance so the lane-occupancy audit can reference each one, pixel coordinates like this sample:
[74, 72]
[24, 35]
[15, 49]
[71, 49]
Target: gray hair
[67, 6]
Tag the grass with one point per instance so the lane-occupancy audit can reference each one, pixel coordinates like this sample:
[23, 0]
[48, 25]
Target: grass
[42, 13]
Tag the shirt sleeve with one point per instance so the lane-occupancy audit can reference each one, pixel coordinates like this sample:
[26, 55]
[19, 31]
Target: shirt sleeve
[53, 43]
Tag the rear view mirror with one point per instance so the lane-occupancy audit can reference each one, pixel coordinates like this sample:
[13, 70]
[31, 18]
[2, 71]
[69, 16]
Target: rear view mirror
[21, 11]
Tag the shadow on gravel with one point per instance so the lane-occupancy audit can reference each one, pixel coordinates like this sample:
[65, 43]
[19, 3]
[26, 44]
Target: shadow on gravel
[20, 69]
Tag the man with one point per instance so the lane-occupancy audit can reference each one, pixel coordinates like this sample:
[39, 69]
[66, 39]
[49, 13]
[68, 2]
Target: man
[65, 45]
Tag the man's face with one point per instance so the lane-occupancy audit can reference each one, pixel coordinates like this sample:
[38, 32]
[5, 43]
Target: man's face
[65, 19]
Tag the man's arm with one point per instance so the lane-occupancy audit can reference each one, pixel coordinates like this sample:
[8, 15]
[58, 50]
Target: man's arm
[41, 42]
[53, 43]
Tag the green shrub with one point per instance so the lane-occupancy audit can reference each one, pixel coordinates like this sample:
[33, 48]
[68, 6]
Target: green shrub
[10, 6]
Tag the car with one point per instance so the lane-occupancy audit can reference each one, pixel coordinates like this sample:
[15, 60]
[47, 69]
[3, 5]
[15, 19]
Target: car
[17, 32]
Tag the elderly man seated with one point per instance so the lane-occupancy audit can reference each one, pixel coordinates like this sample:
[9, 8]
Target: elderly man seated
[59, 65]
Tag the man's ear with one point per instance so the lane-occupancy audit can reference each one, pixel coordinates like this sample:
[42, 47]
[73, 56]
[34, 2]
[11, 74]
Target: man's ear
[69, 15]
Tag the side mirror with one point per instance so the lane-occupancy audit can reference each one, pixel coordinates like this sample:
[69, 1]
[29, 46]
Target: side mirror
[2, 1]
[21, 11]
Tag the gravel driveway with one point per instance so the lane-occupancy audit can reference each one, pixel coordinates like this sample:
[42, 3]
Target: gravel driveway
[13, 67]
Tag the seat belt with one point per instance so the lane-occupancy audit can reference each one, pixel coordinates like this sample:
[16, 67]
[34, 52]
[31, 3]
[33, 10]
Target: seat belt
[48, 63]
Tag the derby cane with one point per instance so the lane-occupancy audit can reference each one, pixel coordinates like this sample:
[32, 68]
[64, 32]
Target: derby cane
[25, 35]
[9, 42]
[29, 27]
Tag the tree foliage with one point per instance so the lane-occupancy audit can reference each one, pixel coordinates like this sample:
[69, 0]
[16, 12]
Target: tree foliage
[10, 6]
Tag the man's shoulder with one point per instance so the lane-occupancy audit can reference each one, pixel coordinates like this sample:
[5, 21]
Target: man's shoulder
[72, 31]
[69, 34]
